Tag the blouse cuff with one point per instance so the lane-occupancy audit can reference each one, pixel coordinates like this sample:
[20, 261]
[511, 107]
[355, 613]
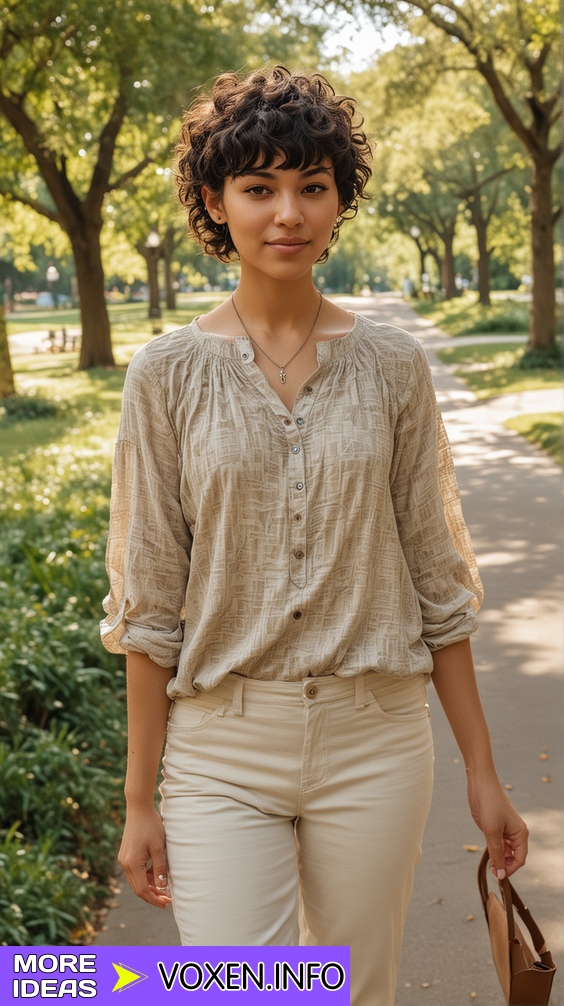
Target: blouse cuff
[119, 635]
[459, 626]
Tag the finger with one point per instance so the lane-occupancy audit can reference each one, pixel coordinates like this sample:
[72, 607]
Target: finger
[158, 871]
[519, 849]
[138, 880]
[497, 856]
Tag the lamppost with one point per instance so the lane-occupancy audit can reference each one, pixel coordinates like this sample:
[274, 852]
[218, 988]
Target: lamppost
[52, 276]
[153, 242]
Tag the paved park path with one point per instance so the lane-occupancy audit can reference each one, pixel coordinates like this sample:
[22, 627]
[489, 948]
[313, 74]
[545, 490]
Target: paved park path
[511, 494]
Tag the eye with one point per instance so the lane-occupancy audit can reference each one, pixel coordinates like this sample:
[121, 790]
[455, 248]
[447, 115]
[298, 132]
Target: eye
[317, 186]
[257, 190]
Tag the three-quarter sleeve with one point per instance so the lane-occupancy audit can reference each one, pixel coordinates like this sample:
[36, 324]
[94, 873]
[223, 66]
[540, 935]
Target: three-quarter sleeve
[148, 551]
[431, 528]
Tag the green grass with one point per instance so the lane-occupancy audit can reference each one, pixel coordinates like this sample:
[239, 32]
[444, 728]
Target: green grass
[122, 316]
[464, 316]
[90, 399]
[543, 429]
[490, 369]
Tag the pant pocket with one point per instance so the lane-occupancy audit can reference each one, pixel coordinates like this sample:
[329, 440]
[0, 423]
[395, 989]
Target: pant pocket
[189, 715]
[399, 699]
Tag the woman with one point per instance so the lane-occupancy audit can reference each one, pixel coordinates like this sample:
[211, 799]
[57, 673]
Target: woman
[288, 564]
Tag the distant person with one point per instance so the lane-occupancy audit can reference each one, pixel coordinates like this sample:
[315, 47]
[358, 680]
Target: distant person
[288, 564]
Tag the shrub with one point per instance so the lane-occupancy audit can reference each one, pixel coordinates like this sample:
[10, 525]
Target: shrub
[545, 359]
[30, 406]
[62, 699]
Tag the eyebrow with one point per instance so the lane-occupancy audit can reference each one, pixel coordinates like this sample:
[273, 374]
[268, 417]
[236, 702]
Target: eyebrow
[258, 172]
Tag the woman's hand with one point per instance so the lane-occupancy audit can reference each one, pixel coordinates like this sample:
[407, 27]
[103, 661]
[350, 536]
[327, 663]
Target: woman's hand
[144, 839]
[505, 831]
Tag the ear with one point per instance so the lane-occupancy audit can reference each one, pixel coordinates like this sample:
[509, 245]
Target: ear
[214, 205]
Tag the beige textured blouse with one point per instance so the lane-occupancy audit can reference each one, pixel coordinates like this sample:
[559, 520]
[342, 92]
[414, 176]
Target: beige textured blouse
[244, 538]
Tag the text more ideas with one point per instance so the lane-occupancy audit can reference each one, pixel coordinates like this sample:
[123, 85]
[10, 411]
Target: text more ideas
[54, 988]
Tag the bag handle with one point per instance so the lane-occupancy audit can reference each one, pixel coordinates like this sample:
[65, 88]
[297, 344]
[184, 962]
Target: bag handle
[511, 898]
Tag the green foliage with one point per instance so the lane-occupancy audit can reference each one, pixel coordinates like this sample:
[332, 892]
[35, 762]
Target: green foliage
[62, 732]
[42, 896]
[31, 406]
[543, 359]
[465, 316]
[493, 369]
[543, 429]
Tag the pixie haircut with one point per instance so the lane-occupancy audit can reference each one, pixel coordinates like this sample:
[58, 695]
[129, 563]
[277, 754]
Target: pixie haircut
[250, 120]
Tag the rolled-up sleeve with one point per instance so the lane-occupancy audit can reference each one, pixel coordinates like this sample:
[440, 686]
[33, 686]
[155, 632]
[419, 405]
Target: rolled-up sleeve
[431, 528]
[148, 551]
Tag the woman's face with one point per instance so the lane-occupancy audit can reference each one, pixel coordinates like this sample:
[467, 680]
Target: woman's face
[280, 221]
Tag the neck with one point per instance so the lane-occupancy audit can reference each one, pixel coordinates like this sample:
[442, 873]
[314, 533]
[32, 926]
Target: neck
[270, 307]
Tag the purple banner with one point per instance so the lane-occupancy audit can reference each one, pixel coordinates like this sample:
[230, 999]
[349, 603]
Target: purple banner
[170, 974]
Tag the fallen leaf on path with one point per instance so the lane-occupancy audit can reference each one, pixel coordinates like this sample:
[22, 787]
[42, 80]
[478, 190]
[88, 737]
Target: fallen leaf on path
[472, 995]
[543, 757]
[546, 778]
[425, 985]
[471, 848]
[508, 786]
[457, 761]
[469, 918]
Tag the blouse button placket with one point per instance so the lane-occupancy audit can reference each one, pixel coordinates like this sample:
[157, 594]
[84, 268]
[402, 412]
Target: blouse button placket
[297, 503]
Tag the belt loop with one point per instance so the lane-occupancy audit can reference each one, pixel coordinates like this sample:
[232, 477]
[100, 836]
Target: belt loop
[238, 697]
[359, 696]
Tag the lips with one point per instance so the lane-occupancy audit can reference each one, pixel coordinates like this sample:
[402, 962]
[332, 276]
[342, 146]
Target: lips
[288, 246]
[288, 241]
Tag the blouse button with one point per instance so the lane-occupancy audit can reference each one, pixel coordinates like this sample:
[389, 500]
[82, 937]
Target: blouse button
[297, 516]
[295, 450]
[288, 422]
[300, 421]
[299, 485]
[311, 692]
[297, 614]
[299, 555]
[245, 356]
[309, 389]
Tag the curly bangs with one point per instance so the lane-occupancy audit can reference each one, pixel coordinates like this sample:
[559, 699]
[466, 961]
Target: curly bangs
[247, 122]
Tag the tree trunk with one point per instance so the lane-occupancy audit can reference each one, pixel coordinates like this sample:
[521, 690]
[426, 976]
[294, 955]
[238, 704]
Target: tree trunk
[543, 307]
[7, 386]
[438, 261]
[447, 274]
[422, 256]
[483, 253]
[152, 256]
[168, 247]
[96, 347]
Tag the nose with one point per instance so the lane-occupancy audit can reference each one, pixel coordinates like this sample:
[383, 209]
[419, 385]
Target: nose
[288, 211]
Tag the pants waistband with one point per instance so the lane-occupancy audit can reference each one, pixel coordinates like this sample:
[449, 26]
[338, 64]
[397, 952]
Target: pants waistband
[321, 689]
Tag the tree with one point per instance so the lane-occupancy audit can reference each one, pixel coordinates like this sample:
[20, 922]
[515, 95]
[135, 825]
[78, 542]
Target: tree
[87, 101]
[7, 386]
[514, 46]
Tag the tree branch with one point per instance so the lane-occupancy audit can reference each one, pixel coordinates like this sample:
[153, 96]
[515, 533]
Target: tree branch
[44, 157]
[38, 207]
[132, 173]
[103, 167]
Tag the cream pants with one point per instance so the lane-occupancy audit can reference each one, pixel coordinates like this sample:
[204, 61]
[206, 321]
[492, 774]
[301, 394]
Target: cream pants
[294, 813]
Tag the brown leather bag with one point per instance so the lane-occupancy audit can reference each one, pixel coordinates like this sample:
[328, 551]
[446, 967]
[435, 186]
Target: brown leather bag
[524, 980]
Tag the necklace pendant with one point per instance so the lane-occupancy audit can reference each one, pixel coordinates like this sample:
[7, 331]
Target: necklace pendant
[282, 375]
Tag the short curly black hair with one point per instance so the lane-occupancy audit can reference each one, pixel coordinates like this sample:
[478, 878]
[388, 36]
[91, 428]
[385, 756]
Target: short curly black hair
[247, 122]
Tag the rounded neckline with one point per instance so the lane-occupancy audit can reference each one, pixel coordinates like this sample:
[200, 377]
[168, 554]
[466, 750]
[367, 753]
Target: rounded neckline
[232, 339]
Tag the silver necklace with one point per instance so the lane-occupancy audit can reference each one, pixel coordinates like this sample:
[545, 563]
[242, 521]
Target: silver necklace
[282, 369]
